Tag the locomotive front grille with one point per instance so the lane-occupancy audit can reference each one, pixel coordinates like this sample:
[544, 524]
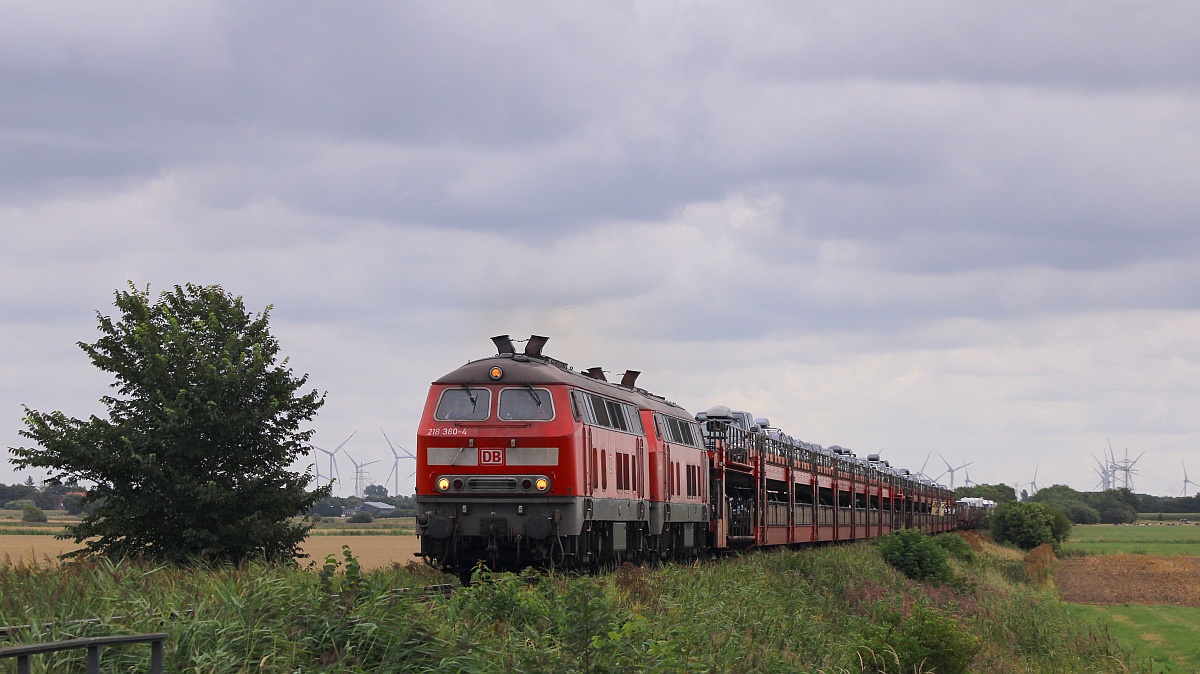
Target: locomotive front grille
[492, 484]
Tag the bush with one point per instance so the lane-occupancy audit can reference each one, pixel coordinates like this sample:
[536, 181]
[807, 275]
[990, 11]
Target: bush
[360, 518]
[922, 638]
[33, 514]
[1028, 525]
[1060, 524]
[915, 555]
[956, 545]
[19, 504]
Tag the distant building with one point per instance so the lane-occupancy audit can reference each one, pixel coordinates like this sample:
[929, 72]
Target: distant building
[376, 506]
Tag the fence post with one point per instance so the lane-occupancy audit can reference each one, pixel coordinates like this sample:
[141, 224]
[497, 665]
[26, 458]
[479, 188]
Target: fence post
[156, 657]
[93, 659]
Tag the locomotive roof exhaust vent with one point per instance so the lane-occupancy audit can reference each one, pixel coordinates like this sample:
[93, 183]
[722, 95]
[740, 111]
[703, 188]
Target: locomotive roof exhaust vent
[629, 378]
[534, 346]
[596, 373]
[503, 344]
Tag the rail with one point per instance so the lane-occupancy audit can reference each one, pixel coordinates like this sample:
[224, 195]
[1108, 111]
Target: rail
[24, 654]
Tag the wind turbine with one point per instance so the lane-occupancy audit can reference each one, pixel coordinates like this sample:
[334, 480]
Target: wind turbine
[951, 469]
[922, 471]
[967, 482]
[1017, 489]
[1033, 488]
[359, 474]
[1186, 481]
[1105, 471]
[333, 469]
[396, 463]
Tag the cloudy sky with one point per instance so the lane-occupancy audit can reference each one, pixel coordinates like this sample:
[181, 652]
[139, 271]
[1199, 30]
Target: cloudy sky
[965, 229]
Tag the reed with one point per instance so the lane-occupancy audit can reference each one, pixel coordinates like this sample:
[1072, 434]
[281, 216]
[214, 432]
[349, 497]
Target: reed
[832, 609]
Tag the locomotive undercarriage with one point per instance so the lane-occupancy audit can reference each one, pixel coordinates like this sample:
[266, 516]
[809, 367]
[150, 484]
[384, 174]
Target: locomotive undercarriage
[573, 533]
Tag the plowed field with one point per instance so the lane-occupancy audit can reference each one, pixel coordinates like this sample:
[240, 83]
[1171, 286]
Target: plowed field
[1130, 579]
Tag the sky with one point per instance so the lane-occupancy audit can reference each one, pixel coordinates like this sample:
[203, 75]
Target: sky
[927, 230]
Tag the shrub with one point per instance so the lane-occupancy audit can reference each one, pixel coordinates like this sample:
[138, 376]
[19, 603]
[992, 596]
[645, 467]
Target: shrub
[18, 505]
[1028, 525]
[956, 545]
[932, 640]
[33, 514]
[915, 555]
[1060, 524]
[360, 518]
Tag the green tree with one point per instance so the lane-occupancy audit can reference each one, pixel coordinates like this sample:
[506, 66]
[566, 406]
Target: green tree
[33, 513]
[1000, 493]
[191, 463]
[1058, 492]
[1077, 511]
[375, 492]
[1028, 525]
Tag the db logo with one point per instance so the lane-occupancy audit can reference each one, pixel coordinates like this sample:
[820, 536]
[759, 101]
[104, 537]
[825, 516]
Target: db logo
[491, 457]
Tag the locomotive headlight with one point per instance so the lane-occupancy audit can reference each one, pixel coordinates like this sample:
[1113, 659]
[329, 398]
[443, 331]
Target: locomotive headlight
[496, 372]
[443, 484]
[542, 484]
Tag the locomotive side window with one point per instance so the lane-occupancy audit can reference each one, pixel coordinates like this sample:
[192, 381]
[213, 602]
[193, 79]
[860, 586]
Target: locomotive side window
[600, 411]
[680, 432]
[464, 404]
[526, 404]
[616, 415]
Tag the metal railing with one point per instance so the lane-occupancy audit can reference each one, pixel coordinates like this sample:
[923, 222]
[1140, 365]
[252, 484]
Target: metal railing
[24, 654]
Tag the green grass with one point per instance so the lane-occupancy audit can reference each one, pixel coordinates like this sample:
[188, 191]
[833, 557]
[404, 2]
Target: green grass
[1165, 540]
[832, 609]
[1166, 638]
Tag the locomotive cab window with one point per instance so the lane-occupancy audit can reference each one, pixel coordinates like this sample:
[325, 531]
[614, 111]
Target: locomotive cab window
[526, 404]
[464, 404]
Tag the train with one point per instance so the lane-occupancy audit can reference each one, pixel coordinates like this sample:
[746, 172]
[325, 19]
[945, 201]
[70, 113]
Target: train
[524, 461]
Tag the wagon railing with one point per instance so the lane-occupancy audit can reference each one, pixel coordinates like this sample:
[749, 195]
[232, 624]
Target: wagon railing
[24, 654]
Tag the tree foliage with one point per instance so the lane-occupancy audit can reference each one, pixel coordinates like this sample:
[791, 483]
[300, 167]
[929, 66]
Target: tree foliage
[191, 463]
[32, 513]
[916, 555]
[1000, 493]
[1028, 525]
[1115, 506]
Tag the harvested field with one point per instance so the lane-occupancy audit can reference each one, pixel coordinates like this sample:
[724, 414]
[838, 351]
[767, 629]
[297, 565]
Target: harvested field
[371, 551]
[1130, 579]
[24, 549]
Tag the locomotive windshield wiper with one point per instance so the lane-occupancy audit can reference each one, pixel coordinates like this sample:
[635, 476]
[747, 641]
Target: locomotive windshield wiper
[536, 398]
[470, 395]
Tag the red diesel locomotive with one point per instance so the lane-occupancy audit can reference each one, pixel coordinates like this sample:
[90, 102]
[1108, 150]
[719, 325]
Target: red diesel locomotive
[521, 460]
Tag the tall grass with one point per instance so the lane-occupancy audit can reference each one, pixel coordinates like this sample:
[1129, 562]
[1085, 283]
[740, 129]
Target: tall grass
[832, 609]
